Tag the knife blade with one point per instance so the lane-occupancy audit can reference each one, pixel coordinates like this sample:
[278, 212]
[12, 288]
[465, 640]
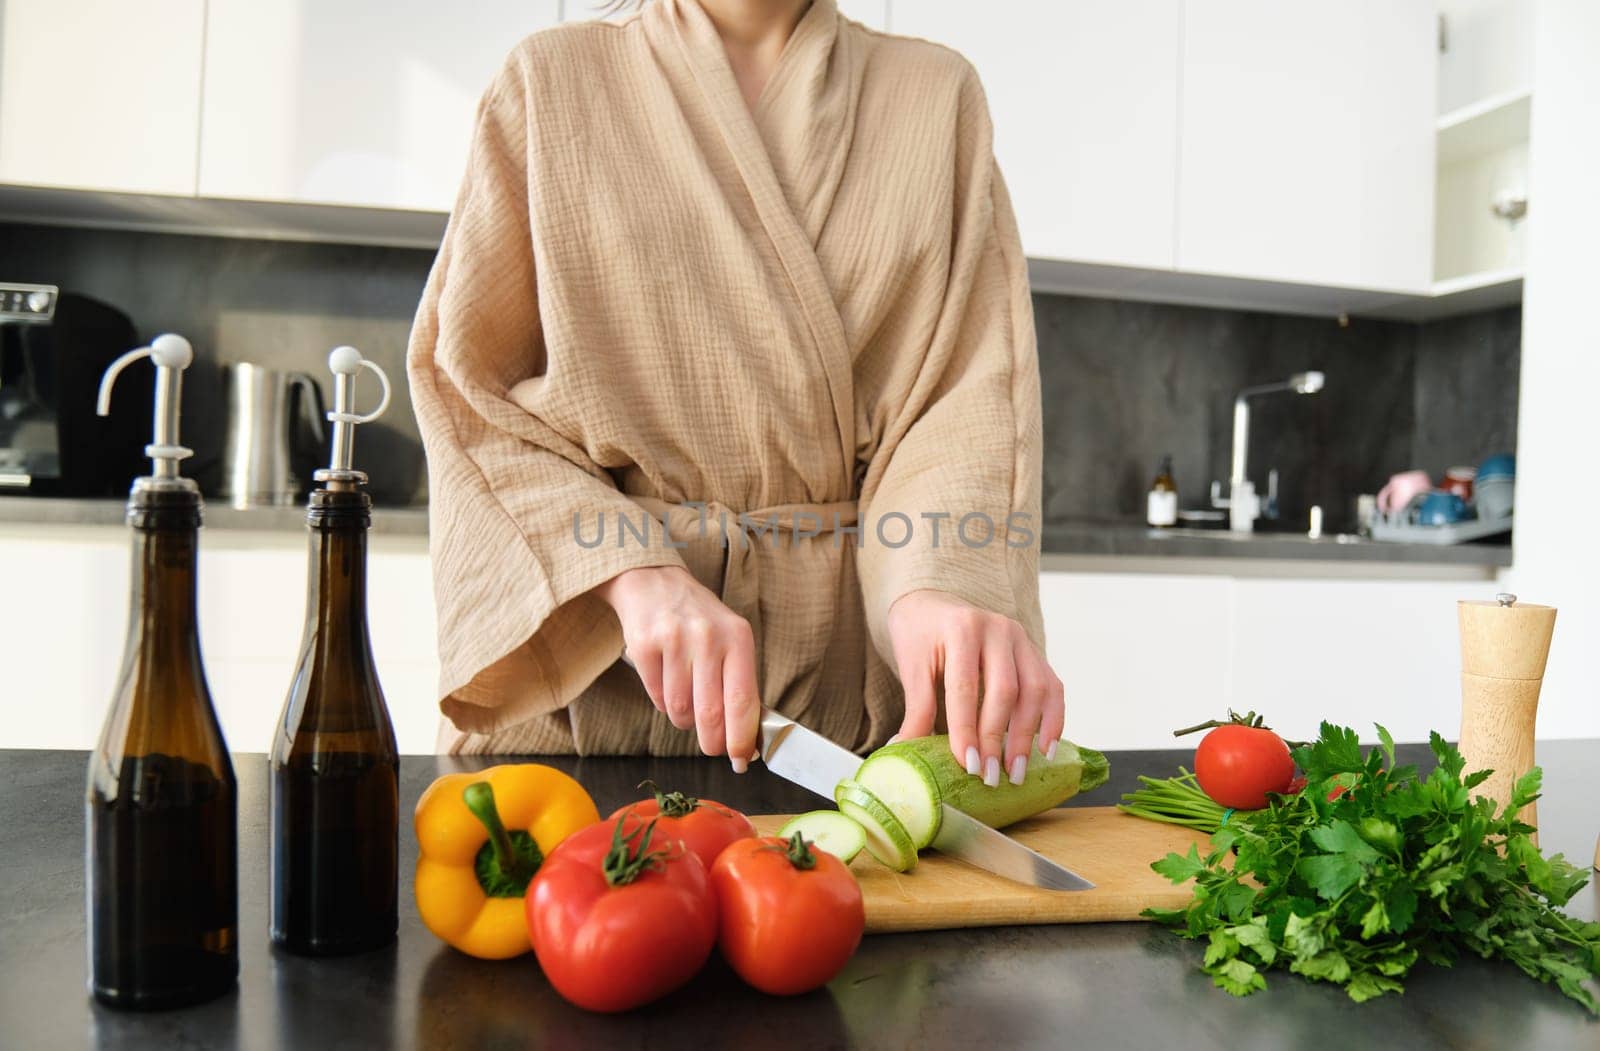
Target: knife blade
[804, 756]
[813, 762]
[963, 836]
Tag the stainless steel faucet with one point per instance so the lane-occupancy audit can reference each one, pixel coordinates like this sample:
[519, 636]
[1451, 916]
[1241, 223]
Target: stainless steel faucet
[1243, 505]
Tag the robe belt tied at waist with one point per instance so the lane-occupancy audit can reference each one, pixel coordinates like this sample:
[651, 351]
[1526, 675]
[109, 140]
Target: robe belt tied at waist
[709, 531]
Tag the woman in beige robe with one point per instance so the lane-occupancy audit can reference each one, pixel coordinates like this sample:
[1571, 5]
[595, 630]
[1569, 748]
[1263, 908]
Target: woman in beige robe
[727, 351]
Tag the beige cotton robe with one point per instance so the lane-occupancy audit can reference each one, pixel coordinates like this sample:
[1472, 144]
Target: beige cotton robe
[649, 294]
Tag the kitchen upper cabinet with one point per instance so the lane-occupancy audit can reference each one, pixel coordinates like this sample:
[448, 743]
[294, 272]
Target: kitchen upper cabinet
[360, 102]
[1307, 141]
[1084, 98]
[101, 94]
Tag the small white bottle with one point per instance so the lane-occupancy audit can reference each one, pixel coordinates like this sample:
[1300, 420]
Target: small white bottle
[1161, 504]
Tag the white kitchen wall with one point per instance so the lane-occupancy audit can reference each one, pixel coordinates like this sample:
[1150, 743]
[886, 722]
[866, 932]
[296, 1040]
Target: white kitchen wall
[1558, 502]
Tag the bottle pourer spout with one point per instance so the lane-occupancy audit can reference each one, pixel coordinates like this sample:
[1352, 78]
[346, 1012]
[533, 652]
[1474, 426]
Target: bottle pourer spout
[171, 354]
[346, 363]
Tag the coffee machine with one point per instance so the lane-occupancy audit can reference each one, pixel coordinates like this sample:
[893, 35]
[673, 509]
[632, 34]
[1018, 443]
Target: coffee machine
[54, 346]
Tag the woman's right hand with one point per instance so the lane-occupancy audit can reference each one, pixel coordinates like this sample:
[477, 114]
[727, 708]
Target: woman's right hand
[696, 656]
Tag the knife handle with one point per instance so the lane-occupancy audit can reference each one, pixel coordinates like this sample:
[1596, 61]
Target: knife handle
[773, 728]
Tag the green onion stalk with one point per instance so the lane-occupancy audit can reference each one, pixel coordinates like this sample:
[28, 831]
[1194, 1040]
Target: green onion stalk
[1176, 801]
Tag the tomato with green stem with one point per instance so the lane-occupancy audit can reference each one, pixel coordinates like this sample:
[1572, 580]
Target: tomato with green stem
[705, 826]
[791, 915]
[620, 916]
[1240, 761]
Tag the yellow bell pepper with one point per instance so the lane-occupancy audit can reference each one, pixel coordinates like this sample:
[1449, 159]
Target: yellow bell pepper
[472, 872]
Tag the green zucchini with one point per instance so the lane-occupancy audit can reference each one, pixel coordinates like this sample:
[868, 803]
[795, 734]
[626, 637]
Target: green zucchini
[901, 780]
[887, 839]
[828, 830]
[893, 771]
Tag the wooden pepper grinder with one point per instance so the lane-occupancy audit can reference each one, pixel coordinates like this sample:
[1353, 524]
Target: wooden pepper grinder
[1504, 645]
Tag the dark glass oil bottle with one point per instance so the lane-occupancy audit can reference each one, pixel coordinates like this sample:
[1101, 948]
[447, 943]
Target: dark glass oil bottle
[162, 862]
[334, 763]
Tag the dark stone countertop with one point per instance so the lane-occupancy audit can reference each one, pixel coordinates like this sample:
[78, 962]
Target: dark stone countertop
[1114, 985]
[1129, 539]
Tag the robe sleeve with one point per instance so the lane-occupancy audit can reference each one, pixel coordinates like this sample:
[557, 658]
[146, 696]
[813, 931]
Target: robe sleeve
[519, 633]
[962, 461]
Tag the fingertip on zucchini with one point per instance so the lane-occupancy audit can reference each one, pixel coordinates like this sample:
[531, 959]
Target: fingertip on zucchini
[1047, 780]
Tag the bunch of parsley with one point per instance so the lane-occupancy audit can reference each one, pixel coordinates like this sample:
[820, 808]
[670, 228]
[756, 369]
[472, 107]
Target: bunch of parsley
[1397, 869]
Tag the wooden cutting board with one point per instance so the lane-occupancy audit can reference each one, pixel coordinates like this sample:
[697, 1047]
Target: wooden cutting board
[1107, 847]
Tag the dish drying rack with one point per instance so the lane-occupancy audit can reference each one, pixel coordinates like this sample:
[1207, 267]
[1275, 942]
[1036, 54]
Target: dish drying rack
[1397, 528]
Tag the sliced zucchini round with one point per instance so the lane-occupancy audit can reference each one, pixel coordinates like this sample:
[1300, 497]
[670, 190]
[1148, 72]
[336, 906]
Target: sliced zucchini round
[828, 830]
[905, 784]
[887, 839]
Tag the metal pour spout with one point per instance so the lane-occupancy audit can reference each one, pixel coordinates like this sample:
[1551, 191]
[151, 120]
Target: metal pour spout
[171, 355]
[345, 363]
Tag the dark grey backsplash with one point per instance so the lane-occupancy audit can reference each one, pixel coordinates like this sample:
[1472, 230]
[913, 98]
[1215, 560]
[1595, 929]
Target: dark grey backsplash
[1123, 382]
[1467, 372]
[276, 303]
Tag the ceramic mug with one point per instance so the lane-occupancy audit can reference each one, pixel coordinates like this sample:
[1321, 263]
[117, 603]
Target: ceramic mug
[1458, 480]
[1402, 489]
[1439, 507]
[1495, 497]
[1501, 465]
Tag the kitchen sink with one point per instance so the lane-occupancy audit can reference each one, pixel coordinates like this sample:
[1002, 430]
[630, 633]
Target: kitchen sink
[1193, 533]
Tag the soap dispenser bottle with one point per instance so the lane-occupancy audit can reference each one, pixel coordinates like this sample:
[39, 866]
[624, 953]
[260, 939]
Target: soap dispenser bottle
[334, 766]
[162, 868]
[1161, 503]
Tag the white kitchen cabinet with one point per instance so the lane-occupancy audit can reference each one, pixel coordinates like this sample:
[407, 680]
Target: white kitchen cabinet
[100, 94]
[362, 102]
[1138, 654]
[1142, 653]
[1307, 141]
[252, 611]
[1355, 651]
[1084, 97]
[64, 644]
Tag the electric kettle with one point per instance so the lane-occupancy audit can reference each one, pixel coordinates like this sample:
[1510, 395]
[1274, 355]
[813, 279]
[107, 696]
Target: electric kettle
[269, 414]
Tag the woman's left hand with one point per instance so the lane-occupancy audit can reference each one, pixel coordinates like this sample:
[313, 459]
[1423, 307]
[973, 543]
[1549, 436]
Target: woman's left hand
[938, 638]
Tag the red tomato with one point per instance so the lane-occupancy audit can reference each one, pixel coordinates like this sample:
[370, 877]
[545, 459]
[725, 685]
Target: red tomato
[620, 915]
[1238, 765]
[704, 826]
[1343, 783]
[792, 915]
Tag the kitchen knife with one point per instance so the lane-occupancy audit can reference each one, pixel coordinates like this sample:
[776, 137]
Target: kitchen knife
[813, 762]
